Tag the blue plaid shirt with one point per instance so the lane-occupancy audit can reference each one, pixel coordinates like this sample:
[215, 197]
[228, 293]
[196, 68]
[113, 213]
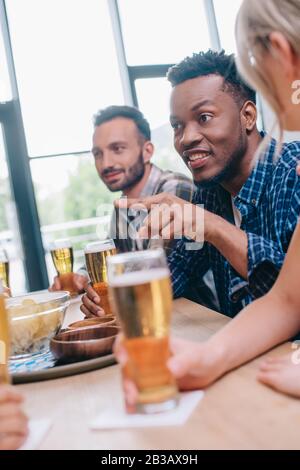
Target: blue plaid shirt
[269, 204]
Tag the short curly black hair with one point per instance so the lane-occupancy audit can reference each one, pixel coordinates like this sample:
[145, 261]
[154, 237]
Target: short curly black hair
[213, 63]
[129, 112]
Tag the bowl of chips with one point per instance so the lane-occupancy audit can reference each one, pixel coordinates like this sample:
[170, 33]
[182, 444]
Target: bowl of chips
[35, 319]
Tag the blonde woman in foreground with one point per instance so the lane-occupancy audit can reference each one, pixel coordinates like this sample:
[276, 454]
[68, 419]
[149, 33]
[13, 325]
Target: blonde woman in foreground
[268, 40]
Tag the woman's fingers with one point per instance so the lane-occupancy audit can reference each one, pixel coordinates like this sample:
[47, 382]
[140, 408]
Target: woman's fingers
[12, 441]
[14, 425]
[120, 351]
[270, 378]
[11, 410]
[131, 394]
[9, 393]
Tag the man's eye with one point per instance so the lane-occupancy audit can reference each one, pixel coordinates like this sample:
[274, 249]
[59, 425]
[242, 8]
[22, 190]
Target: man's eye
[176, 126]
[205, 117]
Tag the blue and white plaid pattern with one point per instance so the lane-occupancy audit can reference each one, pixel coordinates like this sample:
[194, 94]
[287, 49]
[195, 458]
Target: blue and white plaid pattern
[269, 203]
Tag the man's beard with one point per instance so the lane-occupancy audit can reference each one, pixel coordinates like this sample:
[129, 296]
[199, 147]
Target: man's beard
[229, 172]
[133, 175]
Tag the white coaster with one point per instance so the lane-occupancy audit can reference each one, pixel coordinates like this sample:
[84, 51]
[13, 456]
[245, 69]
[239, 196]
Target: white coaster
[37, 432]
[117, 417]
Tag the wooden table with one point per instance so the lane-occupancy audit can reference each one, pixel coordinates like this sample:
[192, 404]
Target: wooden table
[237, 412]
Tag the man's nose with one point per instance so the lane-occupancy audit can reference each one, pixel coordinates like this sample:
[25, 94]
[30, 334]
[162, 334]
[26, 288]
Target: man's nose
[191, 135]
[107, 161]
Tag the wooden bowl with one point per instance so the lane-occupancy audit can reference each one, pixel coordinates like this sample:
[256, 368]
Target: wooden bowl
[92, 322]
[84, 343]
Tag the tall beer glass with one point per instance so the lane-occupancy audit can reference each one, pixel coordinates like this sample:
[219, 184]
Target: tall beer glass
[63, 259]
[96, 255]
[4, 339]
[4, 268]
[142, 297]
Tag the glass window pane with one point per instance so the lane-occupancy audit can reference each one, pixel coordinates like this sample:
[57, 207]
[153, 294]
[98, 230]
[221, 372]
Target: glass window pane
[226, 13]
[9, 230]
[269, 122]
[5, 86]
[163, 31]
[157, 112]
[66, 69]
[72, 202]
[226, 27]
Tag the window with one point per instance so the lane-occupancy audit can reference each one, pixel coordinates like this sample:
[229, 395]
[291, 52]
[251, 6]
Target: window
[72, 202]
[153, 97]
[5, 87]
[163, 31]
[9, 230]
[226, 23]
[66, 68]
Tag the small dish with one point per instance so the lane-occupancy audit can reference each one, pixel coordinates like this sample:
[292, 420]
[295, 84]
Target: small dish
[92, 322]
[84, 343]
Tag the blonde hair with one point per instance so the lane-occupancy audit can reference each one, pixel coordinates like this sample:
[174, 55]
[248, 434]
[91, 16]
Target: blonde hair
[256, 20]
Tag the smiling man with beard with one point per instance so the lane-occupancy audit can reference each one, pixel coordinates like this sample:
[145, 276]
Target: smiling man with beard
[250, 205]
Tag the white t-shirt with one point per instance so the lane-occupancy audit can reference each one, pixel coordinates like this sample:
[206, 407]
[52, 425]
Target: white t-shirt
[236, 214]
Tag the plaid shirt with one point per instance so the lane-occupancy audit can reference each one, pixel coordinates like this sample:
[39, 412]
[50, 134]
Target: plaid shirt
[159, 181]
[269, 204]
[165, 181]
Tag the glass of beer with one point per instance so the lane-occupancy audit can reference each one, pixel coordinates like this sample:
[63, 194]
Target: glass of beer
[96, 255]
[141, 292]
[4, 268]
[4, 339]
[63, 259]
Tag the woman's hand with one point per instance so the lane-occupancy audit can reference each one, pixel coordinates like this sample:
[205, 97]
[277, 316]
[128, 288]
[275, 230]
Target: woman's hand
[13, 421]
[194, 365]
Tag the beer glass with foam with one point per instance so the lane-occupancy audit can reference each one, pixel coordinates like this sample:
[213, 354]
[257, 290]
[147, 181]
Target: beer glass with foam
[96, 255]
[141, 293]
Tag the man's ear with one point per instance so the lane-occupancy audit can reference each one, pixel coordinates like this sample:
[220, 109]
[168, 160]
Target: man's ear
[249, 115]
[148, 150]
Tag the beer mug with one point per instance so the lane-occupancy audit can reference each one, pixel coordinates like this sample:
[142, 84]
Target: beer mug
[96, 255]
[4, 339]
[140, 287]
[63, 260]
[4, 268]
